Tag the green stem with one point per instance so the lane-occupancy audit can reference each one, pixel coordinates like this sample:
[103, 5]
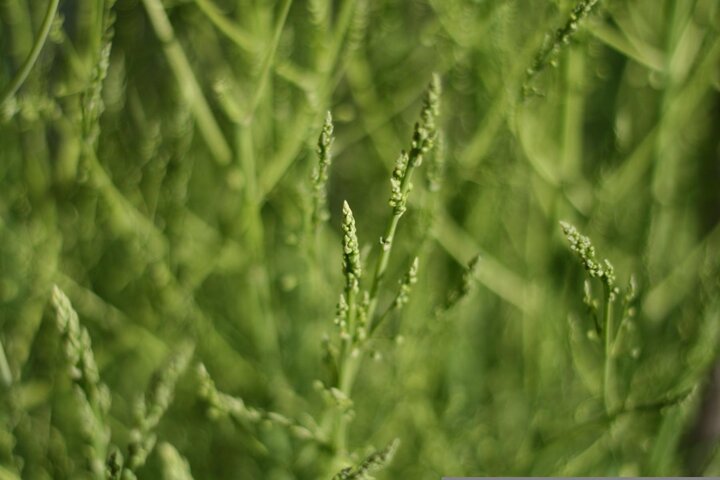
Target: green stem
[268, 63]
[571, 136]
[5, 373]
[346, 344]
[345, 16]
[239, 37]
[346, 378]
[381, 318]
[188, 83]
[24, 71]
[666, 182]
[246, 154]
[609, 370]
[387, 244]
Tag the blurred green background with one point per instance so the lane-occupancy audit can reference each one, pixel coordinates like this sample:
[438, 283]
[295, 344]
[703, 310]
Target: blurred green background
[155, 163]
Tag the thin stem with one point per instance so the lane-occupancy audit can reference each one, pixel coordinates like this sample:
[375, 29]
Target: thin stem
[343, 25]
[571, 136]
[374, 326]
[239, 37]
[246, 154]
[5, 373]
[26, 67]
[268, 62]
[609, 370]
[643, 53]
[387, 244]
[346, 346]
[266, 331]
[187, 82]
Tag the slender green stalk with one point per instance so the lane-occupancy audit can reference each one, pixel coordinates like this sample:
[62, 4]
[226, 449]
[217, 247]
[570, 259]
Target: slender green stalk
[668, 157]
[352, 271]
[386, 242]
[424, 139]
[402, 297]
[667, 293]
[609, 380]
[618, 184]
[573, 112]
[344, 21]
[320, 174]
[642, 53]
[246, 154]
[5, 374]
[32, 57]
[239, 37]
[251, 223]
[188, 83]
[268, 63]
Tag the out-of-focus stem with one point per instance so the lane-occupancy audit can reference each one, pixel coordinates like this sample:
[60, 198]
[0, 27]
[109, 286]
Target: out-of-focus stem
[26, 67]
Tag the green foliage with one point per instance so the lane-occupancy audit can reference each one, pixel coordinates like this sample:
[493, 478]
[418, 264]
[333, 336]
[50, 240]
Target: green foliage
[176, 195]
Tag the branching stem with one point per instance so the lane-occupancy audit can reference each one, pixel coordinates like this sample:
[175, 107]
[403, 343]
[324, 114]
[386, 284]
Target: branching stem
[27, 66]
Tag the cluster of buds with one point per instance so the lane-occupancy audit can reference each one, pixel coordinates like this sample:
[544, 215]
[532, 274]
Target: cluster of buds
[351, 251]
[583, 248]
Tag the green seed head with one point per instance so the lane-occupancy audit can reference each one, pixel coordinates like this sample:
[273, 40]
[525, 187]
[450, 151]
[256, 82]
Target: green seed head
[93, 396]
[583, 248]
[398, 197]
[406, 283]
[436, 165]
[372, 463]
[351, 251]
[320, 173]
[550, 50]
[341, 315]
[78, 352]
[425, 131]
